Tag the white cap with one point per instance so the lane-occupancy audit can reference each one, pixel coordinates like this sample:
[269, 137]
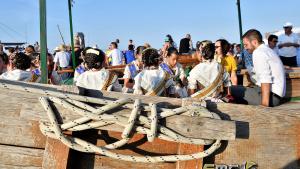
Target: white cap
[288, 24]
[56, 48]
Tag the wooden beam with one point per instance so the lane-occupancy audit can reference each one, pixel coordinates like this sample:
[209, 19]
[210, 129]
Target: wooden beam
[20, 157]
[56, 155]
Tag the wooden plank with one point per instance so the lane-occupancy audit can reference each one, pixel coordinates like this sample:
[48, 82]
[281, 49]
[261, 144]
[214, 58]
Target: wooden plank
[271, 135]
[30, 112]
[12, 157]
[138, 145]
[56, 155]
[189, 149]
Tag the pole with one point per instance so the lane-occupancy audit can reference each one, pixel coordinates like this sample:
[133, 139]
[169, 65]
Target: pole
[43, 42]
[62, 38]
[71, 33]
[240, 23]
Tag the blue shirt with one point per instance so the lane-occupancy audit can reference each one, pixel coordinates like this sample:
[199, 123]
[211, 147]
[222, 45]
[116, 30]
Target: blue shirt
[247, 59]
[129, 56]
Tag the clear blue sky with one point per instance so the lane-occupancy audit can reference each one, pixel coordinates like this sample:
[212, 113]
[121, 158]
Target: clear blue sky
[103, 21]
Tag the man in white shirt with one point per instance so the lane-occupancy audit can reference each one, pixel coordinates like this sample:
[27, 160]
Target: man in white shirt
[272, 43]
[62, 58]
[269, 70]
[115, 55]
[288, 44]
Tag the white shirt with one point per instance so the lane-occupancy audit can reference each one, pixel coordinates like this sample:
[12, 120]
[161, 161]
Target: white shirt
[178, 70]
[63, 58]
[18, 75]
[149, 79]
[205, 73]
[275, 49]
[269, 69]
[288, 51]
[116, 56]
[96, 80]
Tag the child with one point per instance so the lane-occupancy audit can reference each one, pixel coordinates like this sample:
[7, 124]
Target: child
[96, 78]
[152, 81]
[175, 71]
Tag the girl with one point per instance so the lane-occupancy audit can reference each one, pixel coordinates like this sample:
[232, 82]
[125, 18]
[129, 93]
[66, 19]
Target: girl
[175, 71]
[152, 81]
[132, 69]
[96, 77]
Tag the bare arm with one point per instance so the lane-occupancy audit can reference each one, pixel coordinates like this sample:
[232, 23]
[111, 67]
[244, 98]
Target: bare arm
[127, 83]
[55, 66]
[265, 94]
[288, 44]
[233, 78]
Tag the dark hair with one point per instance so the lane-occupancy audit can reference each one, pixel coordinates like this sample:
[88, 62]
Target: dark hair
[130, 47]
[4, 58]
[198, 44]
[11, 50]
[238, 45]
[225, 46]
[21, 61]
[253, 34]
[170, 39]
[172, 50]
[31, 47]
[271, 37]
[208, 51]
[150, 57]
[139, 50]
[93, 58]
[115, 44]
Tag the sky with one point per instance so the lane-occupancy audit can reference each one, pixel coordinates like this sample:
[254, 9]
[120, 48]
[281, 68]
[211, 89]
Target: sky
[103, 21]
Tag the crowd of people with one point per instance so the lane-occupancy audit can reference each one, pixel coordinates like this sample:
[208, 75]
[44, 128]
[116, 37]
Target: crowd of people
[153, 72]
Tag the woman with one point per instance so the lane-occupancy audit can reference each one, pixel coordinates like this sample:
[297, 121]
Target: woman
[152, 81]
[96, 77]
[175, 71]
[222, 47]
[132, 69]
[208, 77]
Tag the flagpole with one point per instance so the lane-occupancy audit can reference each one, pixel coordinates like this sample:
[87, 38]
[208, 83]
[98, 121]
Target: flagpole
[240, 23]
[71, 33]
[43, 42]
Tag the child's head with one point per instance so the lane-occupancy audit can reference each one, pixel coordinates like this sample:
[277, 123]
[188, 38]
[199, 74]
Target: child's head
[208, 51]
[150, 57]
[93, 58]
[172, 56]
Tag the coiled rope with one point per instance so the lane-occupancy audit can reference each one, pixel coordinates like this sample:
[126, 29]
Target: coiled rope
[95, 117]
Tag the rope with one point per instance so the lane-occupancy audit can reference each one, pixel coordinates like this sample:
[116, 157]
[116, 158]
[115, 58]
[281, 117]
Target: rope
[134, 122]
[95, 117]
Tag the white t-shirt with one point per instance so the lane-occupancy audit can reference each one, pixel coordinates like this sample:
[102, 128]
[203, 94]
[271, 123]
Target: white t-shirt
[116, 56]
[18, 75]
[288, 51]
[96, 80]
[63, 58]
[269, 69]
[205, 73]
[149, 79]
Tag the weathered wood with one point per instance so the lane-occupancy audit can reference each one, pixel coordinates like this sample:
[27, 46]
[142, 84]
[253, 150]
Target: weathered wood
[189, 149]
[271, 135]
[12, 157]
[138, 145]
[56, 155]
[30, 112]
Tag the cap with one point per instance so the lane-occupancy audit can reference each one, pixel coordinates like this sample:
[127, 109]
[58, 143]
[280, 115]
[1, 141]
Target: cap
[288, 24]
